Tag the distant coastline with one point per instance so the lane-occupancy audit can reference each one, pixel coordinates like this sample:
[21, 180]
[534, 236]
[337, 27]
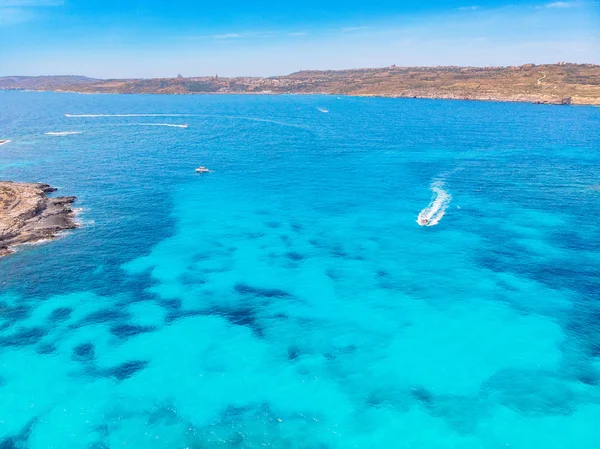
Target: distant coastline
[560, 84]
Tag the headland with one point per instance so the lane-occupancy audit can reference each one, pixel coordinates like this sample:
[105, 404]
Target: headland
[28, 215]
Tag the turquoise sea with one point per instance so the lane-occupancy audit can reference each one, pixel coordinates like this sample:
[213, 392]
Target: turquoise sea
[289, 298]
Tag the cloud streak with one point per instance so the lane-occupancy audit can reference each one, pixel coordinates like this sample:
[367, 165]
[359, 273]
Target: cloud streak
[353, 29]
[247, 35]
[30, 3]
[559, 5]
[227, 36]
[14, 12]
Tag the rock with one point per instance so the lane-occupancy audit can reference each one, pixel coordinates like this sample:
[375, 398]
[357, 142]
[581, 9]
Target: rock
[566, 101]
[27, 215]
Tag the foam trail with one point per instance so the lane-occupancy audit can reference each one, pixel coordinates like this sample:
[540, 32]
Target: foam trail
[189, 115]
[323, 110]
[433, 213]
[159, 124]
[62, 133]
[264, 120]
[129, 115]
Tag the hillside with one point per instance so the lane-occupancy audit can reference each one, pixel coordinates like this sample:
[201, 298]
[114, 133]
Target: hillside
[43, 82]
[552, 83]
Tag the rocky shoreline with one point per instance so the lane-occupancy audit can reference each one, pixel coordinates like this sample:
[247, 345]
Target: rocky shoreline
[435, 95]
[28, 215]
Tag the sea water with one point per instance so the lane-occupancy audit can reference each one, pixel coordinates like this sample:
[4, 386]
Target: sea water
[290, 298]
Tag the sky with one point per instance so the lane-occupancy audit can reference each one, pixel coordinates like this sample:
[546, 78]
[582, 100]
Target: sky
[157, 38]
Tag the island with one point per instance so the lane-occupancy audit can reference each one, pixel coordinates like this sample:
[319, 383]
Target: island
[559, 84]
[28, 215]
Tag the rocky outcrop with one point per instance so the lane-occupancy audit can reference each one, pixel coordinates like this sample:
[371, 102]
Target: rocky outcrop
[28, 215]
[566, 101]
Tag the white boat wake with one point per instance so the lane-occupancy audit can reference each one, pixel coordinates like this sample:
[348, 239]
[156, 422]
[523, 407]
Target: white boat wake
[435, 211]
[323, 110]
[62, 133]
[265, 120]
[159, 124]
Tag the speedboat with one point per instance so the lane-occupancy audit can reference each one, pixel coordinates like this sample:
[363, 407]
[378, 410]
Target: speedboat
[202, 169]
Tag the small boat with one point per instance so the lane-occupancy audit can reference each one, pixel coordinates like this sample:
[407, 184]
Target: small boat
[202, 169]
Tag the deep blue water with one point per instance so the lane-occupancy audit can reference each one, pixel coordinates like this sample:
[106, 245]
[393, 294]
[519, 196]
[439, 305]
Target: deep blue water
[289, 299]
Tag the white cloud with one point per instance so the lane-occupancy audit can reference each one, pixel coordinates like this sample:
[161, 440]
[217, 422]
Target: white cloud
[13, 12]
[227, 36]
[351, 29]
[468, 8]
[30, 3]
[233, 36]
[560, 5]
[298, 33]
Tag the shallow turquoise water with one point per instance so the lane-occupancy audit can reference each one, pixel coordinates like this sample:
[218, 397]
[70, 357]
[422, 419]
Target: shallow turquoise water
[289, 299]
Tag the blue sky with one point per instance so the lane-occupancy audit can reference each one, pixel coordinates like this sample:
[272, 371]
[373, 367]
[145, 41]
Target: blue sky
[152, 38]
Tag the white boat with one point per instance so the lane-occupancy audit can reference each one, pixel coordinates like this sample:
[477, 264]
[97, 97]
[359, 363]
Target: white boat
[202, 169]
